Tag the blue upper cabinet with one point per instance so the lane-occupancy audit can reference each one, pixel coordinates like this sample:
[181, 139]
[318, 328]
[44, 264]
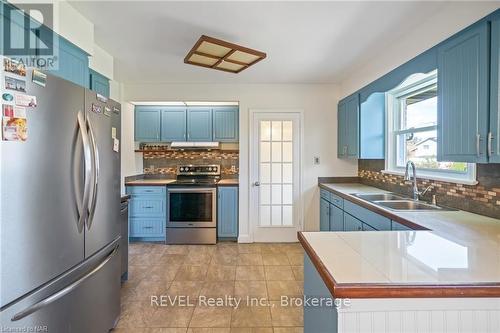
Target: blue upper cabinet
[463, 96]
[147, 123]
[72, 62]
[227, 212]
[173, 124]
[372, 127]
[342, 130]
[493, 145]
[348, 127]
[199, 124]
[225, 124]
[352, 133]
[99, 83]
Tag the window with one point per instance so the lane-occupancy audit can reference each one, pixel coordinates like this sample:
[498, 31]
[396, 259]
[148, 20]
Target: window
[412, 132]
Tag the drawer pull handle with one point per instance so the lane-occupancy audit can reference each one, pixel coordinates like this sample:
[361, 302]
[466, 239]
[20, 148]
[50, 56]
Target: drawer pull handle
[147, 227]
[148, 207]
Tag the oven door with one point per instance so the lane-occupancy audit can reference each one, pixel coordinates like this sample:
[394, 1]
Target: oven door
[191, 207]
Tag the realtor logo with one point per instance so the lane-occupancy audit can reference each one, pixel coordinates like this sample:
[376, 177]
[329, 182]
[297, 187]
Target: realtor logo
[28, 35]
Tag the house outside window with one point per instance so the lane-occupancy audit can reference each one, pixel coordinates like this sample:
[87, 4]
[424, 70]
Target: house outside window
[412, 132]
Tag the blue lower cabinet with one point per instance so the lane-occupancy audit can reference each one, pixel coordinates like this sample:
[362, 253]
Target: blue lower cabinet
[147, 227]
[322, 318]
[336, 218]
[147, 213]
[367, 227]
[324, 215]
[399, 226]
[227, 212]
[375, 220]
[351, 223]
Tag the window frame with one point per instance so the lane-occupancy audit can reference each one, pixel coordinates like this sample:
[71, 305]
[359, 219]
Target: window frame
[418, 83]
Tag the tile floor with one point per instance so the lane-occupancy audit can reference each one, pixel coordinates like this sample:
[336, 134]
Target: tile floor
[250, 272]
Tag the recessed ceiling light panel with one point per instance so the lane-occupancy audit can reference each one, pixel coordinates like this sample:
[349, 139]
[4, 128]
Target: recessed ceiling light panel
[214, 53]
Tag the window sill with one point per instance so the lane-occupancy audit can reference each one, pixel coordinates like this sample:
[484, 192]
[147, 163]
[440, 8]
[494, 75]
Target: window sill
[434, 177]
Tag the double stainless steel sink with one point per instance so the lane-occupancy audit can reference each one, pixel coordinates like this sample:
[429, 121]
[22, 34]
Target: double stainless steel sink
[397, 202]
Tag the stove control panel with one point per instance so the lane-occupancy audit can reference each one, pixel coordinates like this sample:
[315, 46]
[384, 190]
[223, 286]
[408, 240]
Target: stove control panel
[201, 170]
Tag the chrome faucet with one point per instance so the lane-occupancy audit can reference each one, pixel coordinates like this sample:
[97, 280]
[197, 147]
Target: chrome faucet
[408, 178]
[416, 193]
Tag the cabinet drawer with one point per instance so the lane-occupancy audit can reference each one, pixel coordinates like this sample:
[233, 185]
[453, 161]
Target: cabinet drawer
[148, 190]
[373, 219]
[325, 195]
[337, 201]
[147, 227]
[147, 206]
[399, 226]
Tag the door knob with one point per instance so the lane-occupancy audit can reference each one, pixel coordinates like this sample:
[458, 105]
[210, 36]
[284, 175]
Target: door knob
[256, 183]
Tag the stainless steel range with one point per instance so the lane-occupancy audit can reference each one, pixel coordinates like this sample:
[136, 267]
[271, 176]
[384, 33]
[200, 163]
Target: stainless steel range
[192, 205]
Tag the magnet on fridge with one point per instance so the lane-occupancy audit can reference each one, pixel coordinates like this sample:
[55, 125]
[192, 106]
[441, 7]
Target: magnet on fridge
[96, 108]
[116, 145]
[107, 111]
[113, 132]
[25, 100]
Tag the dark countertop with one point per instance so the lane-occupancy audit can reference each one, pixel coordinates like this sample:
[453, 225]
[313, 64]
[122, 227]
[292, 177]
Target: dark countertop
[145, 180]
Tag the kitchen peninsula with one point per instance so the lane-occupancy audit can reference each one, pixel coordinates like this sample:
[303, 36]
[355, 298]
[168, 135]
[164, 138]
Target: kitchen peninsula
[445, 278]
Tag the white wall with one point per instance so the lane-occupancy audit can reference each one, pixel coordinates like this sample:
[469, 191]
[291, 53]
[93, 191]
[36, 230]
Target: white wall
[428, 34]
[318, 102]
[73, 26]
[102, 62]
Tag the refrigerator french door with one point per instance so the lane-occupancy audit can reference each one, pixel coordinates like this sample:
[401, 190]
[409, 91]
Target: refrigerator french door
[52, 257]
[103, 119]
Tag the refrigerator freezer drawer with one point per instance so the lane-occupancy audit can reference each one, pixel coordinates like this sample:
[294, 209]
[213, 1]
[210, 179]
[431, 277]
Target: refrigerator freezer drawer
[86, 301]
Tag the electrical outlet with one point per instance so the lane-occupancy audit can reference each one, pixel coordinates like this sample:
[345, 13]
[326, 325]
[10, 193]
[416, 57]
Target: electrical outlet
[316, 160]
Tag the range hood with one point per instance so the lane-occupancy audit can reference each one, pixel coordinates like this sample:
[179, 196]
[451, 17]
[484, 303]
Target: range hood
[194, 145]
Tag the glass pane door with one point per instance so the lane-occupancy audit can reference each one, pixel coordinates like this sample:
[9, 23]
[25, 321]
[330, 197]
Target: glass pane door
[276, 173]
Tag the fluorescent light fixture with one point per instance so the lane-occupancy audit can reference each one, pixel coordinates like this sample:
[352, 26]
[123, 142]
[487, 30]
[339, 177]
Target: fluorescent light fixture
[214, 53]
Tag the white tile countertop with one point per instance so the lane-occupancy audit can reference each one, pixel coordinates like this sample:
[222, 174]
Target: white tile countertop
[458, 257]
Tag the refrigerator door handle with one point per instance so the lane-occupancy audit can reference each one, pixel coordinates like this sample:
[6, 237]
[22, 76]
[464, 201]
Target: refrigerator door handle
[93, 200]
[83, 210]
[66, 290]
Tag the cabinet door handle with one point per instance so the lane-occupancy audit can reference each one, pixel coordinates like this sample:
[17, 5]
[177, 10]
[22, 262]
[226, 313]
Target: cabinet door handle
[490, 144]
[478, 144]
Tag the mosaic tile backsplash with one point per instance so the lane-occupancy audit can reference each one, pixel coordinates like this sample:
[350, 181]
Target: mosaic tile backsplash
[165, 162]
[483, 198]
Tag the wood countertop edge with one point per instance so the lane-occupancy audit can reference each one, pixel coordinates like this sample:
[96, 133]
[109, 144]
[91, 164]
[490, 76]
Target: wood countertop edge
[145, 183]
[390, 290]
[375, 208]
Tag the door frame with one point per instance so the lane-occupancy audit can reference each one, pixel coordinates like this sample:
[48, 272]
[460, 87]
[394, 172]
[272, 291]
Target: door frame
[253, 168]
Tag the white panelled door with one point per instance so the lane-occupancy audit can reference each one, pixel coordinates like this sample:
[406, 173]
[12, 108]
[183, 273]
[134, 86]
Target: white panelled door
[275, 207]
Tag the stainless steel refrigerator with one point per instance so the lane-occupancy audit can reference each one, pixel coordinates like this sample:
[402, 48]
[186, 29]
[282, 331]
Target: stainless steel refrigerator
[59, 210]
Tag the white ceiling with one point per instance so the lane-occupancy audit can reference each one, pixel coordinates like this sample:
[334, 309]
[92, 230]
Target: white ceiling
[305, 42]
